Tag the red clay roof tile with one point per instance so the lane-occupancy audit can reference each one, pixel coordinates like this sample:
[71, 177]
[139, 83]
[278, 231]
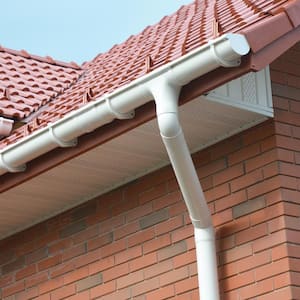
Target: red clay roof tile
[28, 82]
[190, 27]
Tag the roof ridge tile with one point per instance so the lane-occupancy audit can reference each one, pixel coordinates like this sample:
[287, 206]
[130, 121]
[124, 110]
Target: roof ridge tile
[46, 59]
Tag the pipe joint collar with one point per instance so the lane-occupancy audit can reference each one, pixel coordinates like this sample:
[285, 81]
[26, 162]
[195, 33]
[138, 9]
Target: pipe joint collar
[204, 234]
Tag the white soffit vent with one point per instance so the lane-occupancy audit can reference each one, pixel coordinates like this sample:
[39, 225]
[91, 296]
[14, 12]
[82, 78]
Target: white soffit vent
[251, 92]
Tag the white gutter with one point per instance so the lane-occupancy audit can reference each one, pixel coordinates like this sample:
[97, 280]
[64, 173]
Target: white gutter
[163, 85]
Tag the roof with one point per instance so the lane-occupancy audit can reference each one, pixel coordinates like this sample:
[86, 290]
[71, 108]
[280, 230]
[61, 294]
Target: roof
[29, 83]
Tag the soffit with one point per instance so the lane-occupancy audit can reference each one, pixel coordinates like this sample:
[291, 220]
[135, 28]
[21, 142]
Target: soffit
[223, 112]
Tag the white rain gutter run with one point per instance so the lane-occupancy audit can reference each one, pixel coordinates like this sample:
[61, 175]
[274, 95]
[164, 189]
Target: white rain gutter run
[163, 85]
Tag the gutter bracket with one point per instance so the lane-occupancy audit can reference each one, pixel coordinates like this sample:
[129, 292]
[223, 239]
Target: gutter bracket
[118, 115]
[11, 168]
[59, 142]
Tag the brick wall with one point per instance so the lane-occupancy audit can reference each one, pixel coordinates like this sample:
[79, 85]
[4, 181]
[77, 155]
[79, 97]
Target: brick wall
[137, 242]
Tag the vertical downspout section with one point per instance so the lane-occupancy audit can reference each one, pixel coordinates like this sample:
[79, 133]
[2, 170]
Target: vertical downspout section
[166, 99]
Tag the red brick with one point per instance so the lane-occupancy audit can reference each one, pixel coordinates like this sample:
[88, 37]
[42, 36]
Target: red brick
[258, 133]
[169, 225]
[246, 180]
[279, 252]
[228, 174]
[103, 289]
[88, 282]
[162, 293]
[49, 262]
[171, 250]
[184, 259]
[100, 241]
[126, 230]
[76, 275]
[85, 235]
[85, 295]
[177, 209]
[123, 294]
[73, 252]
[25, 272]
[130, 279]
[115, 272]
[283, 129]
[248, 207]
[226, 147]
[173, 276]
[251, 234]
[288, 117]
[159, 268]
[60, 245]
[269, 241]
[145, 286]
[157, 243]
[87, 258]
[182, 233]
[256, 289]
[113, 248]
[186, 285]
[222, 217]
[211, 168]
[285, 293]
[236, 253]
[278, 77]
[270, 270]
[288, 143]
[51, 285]
[254, 261]
[282, 280]
[142, 262]
[27, 294]
[36, 279]
[13, 289]
[167, 200]
[263, 187]
[261, 160]
[102, 264]
[6, 280]
[110, 224]
[243, 154]
[141, 237]
[239, 281]
[153, 193]
[63, 292]
[217, 192]
[128, 254]
[62, 268]
[154, 218]
[230, 200]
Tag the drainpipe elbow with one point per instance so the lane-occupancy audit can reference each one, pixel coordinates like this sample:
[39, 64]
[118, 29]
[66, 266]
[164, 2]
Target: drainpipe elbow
[169, 126]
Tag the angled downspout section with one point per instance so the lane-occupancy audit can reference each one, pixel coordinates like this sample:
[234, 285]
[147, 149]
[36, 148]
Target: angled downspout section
[165, 91]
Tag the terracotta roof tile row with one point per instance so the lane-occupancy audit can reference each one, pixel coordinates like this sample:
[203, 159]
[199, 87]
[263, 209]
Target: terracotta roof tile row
[190, 27]
[28, 82]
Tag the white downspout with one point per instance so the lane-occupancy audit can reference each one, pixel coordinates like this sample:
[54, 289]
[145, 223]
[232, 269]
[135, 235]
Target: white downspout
[166, 99]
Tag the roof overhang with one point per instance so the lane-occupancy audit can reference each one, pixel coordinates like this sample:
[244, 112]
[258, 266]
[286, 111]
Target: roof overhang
[119, 156]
